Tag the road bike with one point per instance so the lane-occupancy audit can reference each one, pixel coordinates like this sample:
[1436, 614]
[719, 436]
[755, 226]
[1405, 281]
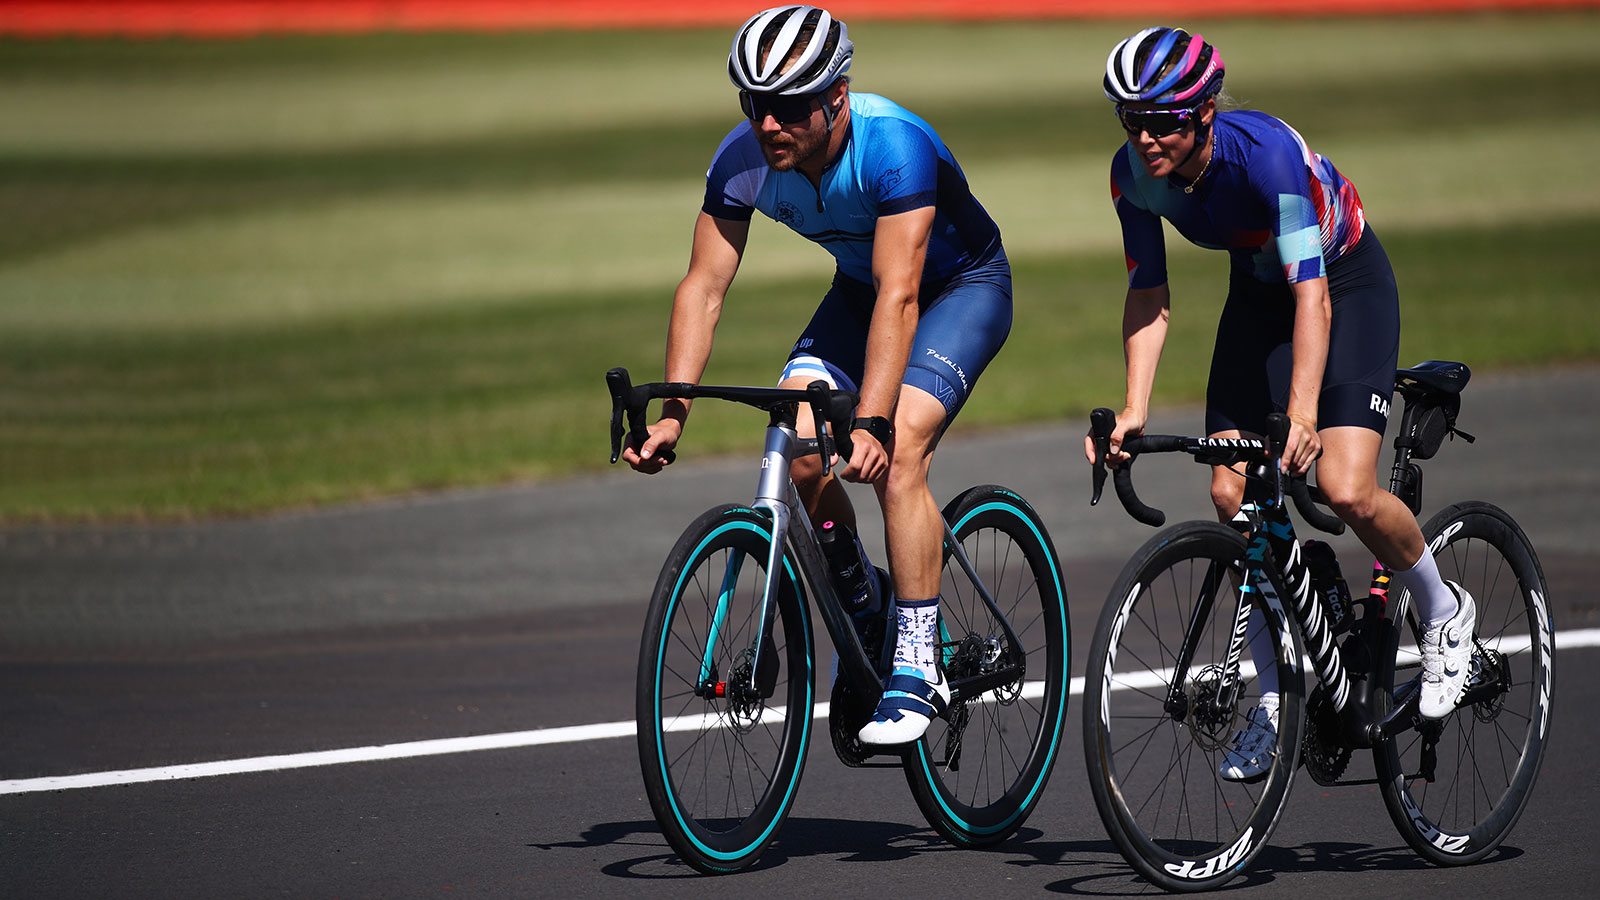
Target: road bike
[728, 666]
[1167, 674]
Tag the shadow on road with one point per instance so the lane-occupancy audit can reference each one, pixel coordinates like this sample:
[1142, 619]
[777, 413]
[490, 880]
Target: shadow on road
[802, 838]
[1104, 872]
[1317, 858]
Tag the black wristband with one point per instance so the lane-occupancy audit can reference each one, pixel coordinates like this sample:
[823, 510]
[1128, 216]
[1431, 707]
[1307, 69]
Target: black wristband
[877, 426]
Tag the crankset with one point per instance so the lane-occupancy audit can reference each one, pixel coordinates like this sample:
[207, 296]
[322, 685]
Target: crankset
[1323, 750]
[848, 713]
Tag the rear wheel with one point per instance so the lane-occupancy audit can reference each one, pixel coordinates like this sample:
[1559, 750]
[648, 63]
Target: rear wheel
[1152, 746]
[979, 771]
[1456, 786]
[721, 751]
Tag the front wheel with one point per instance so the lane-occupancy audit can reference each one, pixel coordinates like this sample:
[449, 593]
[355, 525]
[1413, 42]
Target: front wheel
[1154, 737]
[1456, 786]
[979, 771]
[723, 715]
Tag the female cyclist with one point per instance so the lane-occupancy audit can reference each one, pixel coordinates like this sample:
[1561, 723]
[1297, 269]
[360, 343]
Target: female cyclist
[1311, 326]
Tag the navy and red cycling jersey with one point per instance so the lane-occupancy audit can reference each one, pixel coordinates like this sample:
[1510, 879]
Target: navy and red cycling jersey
[1281, 211]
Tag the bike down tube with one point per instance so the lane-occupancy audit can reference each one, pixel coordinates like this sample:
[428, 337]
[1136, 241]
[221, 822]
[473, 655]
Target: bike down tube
[853, 662]
[1254, 577]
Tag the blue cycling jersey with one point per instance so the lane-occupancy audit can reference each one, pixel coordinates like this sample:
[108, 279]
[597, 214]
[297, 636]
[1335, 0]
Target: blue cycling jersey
[1281, 211]
[891, 162]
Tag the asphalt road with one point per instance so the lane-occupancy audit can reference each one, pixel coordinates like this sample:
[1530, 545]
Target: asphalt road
[517, 611]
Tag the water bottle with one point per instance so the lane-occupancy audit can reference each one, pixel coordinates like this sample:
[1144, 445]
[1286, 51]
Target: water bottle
[1329, 583]
[855, 580]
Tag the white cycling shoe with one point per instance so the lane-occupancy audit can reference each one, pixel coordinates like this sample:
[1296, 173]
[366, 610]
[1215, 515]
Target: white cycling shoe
[908, 706]
[1446, 657]
[1255, 746]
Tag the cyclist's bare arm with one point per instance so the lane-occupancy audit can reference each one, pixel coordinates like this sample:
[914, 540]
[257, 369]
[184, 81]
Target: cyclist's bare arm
[899, 247]
[1313, 318]
[1144, 332]
[696, 306]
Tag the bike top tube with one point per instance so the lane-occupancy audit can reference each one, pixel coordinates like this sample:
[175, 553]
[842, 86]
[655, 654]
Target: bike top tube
[1261, 456]
[830, 405]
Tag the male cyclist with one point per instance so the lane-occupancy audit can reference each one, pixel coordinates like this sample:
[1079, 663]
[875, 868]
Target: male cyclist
[920, 301]
[1311, 326]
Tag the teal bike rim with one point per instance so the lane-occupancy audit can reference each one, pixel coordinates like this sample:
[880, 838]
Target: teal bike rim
[805, 720]
[1066, 668]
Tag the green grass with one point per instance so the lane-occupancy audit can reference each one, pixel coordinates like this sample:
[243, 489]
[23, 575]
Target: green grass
[247, 275]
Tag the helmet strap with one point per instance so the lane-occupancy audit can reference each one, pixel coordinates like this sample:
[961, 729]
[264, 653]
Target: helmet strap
[828, 114]
[1202, 134]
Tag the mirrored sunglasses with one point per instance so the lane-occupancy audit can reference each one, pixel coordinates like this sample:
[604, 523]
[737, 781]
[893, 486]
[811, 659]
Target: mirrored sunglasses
[785, 109]
[1158, 122]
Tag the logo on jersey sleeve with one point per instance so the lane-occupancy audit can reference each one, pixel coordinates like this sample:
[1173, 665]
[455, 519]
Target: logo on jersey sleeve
[888, 181]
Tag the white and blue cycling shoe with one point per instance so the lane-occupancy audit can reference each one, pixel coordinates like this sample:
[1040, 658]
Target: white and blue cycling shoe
[909, 703]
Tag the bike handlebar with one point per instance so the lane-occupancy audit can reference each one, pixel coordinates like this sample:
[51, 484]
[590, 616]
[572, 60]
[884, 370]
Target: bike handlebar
[1212, 451]
[835, 407]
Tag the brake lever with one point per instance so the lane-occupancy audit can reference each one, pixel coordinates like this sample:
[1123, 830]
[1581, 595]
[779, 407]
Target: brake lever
[1102, 422]
[817, 398]
[625, 398]
[618, 383]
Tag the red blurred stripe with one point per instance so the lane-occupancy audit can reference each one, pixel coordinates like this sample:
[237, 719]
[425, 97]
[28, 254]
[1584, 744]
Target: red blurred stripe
[239, 18]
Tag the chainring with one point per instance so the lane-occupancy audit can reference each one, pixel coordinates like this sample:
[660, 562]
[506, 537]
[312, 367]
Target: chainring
[1322, 748]
[848, 713]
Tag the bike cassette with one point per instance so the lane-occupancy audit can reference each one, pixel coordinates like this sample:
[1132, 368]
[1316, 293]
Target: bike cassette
[1322, 750]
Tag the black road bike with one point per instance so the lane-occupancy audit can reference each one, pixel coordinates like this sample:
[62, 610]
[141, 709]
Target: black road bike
[1168, 679]
[728, 668]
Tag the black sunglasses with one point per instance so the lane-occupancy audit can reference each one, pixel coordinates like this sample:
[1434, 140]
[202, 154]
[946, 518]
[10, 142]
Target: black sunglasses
[785, 109]
[1158, 122]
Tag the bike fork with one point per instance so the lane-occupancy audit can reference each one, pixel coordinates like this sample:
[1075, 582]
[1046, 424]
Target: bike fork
[771, 494]
[1177, 704]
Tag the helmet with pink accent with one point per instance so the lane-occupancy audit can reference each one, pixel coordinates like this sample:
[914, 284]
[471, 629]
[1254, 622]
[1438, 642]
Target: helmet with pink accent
[1168, 66]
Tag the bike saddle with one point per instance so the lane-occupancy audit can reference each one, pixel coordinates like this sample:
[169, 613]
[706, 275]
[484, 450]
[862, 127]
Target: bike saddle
[1439, 376]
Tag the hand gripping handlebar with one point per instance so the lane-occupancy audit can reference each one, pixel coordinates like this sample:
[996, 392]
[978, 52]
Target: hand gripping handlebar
[829, 405]
[1212, 451]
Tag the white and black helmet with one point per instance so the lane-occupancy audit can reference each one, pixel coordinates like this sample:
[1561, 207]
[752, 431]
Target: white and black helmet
[821, 41]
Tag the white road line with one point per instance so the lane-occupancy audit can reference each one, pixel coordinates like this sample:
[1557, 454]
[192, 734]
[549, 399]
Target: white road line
[1589, 637]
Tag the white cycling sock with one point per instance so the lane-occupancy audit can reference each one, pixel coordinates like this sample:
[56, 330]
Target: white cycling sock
[1435, 603]
[918, 635]
[1261, 653]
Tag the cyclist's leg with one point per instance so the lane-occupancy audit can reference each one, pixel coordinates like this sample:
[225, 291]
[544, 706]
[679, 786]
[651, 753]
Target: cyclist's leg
[1253, 335]
[913, 528]
[1363, 349]
[914, 533]
[962, 326]
[831, 348]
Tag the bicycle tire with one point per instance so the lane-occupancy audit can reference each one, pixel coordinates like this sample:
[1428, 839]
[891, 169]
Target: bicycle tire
[1488, 752]
[1003, 742]
[1153, 773]
[721, 772]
